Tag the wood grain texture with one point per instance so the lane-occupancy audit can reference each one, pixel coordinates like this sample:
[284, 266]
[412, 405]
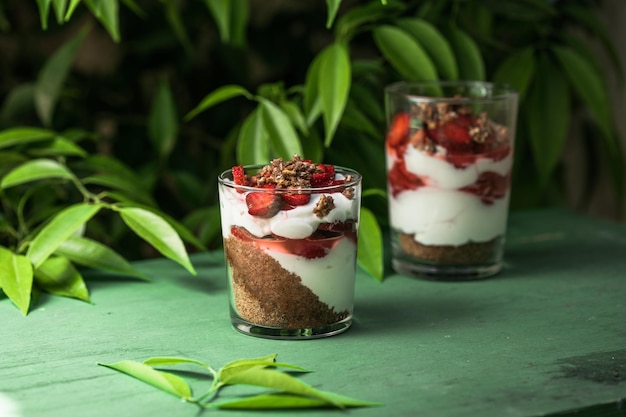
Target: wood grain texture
[547, 335]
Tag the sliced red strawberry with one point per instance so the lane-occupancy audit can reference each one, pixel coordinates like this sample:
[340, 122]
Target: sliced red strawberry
[324, 176]
[312, 251]
[263, 204]
[456, 132]
[399, 131]
[239, 176]
[296, 199]
[241, 233]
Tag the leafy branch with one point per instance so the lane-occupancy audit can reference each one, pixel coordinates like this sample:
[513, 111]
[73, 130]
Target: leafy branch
[44, 254]
[286, 391]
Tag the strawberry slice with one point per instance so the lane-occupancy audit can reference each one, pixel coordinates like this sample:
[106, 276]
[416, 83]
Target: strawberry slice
[399, 130]
[239, 176]
[264, 205]
[324, 176]
[456, 132]
[296, 199]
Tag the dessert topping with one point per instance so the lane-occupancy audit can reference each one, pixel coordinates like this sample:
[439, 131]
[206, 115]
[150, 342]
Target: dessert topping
[292, 180]
[324, 206]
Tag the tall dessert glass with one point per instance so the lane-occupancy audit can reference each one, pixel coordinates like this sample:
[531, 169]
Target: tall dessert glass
[449, 152]
[290, 240]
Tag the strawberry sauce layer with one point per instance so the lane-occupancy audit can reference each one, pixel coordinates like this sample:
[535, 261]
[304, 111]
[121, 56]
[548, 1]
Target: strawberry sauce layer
[318, 245]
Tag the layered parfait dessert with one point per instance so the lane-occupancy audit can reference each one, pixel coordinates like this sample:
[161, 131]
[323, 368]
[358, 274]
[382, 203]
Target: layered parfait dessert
[290, 240]
[449, 171]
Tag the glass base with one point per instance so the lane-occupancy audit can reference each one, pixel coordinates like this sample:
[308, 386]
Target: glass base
[265, 332]
[445, 272]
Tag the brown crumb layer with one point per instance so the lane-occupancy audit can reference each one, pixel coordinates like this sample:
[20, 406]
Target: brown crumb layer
[467, 254]
[268, 295]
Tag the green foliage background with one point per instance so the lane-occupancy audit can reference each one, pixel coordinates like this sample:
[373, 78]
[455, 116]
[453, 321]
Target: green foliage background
[139, 104]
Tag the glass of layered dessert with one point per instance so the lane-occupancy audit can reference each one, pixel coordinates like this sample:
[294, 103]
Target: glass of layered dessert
[449, 151]
[290, 241]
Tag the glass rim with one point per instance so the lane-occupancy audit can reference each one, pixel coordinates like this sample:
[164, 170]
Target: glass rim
[501, 91]
[225, 179]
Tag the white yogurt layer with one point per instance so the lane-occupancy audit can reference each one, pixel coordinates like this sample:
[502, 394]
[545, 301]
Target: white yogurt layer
[447, 217]
[297, 223]
[331, 277]
[438, 213]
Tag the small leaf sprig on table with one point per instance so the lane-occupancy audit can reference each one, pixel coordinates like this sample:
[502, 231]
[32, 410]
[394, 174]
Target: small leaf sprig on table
[286, 391]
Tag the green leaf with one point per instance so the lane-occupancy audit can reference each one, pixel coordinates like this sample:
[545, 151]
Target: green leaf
[60, 147]
[175, 19]
[24, 135]
[231, 369]
[163, 121]
[295, 115]
[60, 7]
[404, 54]
[61, 227]
[240, 15]
[158, 233]
[168, 361]
[56, 275]
[164, 381]
[38, 169]
[70, 9]
[16, 278]
[311, 100]
[252, 145]
[467, 53]
[357, 18]
[128, 185]
[547, 117]
[220, 10]
[107, 12]
[435, 45]
[18, 101]
[93, 254]
[334, 87]
[278, 401]
[333, 7]
[52, 76]
[370, 250]
[283, 137]
[277, 380]
[354, 118]
[368, 102]
[591, 22]
[44, 11]
[221, 94]
[517, 70]
[588, 85]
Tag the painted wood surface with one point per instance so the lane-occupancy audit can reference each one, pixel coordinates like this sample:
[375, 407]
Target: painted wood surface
[546, 336]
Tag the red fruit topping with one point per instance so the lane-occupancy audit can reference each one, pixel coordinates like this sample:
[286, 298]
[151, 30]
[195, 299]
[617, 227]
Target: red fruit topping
[400, 179]
[324, 176]
[241, 233]
[399, 130]
[455, 132]
[489, 186]
[239, 177]
[312, 251]
[263, 204]
[296, 199]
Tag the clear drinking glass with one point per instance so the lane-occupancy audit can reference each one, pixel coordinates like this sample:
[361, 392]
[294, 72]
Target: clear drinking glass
[449, 152]
[291, 270]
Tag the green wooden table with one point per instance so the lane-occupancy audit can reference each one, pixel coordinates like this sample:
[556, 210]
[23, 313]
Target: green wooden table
[546, 336]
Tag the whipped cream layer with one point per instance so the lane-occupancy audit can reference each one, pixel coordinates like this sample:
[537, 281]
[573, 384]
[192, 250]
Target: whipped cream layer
[297, 223]
[438, 213]
[331, 277]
